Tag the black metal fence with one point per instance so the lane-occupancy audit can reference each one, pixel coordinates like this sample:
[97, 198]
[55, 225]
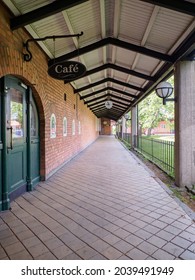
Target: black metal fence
[127, 139]
[160, 152]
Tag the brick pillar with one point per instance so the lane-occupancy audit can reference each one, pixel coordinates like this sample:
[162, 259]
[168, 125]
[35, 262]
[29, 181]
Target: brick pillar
[185, 123]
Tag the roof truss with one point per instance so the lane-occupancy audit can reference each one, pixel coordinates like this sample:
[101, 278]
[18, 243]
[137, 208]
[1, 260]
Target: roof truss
[114, 42]
[112, 99]
[120, 69]
[108, 80]
[111, 89]
[119, 98]
[112, 64]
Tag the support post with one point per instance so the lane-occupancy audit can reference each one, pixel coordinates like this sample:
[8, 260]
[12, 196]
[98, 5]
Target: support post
[123, 127]
[185, 123]
[134, 129]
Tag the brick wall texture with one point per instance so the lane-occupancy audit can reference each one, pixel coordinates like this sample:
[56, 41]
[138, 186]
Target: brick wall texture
[49, 96]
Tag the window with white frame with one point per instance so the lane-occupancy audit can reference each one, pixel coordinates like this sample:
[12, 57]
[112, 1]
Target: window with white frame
[64, 126]
[79, 127]
[73, 127]
[97, 124]
[53, 126]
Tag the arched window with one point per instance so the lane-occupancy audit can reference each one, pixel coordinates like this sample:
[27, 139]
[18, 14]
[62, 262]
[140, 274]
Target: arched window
[73, 127]
[97, 124]
[79, 127]
[64, 126]
[53, 126]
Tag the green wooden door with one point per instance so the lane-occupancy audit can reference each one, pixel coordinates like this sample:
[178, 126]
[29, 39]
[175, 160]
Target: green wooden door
[19, 140]
[34, 145]
[16, 138]
[1, 148]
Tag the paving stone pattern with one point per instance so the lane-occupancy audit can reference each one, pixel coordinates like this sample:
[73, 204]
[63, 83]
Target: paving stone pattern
[104, 204]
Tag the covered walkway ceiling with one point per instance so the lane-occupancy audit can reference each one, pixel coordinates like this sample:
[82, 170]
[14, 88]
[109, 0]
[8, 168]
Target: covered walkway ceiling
[128, 46]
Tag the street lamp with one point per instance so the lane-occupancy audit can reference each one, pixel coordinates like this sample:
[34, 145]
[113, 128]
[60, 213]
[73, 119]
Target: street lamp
[164, 90]
[127, 118]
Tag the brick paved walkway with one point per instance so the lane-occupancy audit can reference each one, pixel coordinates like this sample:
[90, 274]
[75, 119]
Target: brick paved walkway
[103, 204]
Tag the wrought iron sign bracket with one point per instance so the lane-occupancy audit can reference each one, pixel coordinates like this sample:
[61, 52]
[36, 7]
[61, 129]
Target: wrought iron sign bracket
[28, 56]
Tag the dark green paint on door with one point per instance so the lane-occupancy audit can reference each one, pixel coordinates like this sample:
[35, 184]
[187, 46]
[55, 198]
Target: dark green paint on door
[19, 160]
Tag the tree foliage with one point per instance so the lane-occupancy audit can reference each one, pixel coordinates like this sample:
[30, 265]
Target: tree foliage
[151, 111]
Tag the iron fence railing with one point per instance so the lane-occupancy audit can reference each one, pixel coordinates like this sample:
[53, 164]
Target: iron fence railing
[119, 135]
[160, 152]
[127, 138]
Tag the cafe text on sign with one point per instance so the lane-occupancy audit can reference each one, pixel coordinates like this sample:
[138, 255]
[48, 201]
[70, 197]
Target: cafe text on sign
[67, 70]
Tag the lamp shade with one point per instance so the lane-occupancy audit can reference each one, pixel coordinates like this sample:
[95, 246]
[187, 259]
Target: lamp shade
[108, 104]
[164, 90]
[127, 116]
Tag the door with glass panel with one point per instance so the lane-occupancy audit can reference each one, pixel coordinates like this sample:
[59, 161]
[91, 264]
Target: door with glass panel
[20, 144]
[16, 119]
[34, 142]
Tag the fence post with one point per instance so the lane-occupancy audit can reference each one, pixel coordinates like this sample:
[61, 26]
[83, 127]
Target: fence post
[135, 142]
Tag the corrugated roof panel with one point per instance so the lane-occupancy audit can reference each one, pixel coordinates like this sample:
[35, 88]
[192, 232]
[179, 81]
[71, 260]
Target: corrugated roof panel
[124, 57]
[146, 60]
[109, 14]
[110, 50]
[86, 18]
[135, 16]
[57, 26]
[137, 81]
[102, 94]
[167, 28]
[97, 76]
[119, 75]
[128, 90]
[94, 59]
[26, 6]
[79, 83]
[96, 88]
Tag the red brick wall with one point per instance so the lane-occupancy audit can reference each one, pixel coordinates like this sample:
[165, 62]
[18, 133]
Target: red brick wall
[49, 96]
[162, 128]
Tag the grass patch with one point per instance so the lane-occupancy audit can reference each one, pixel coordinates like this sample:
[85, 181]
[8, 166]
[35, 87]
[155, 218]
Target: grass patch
[162, 137]
[179, 195]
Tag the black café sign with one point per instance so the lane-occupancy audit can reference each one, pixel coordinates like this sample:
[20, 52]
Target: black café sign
[67, 70]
